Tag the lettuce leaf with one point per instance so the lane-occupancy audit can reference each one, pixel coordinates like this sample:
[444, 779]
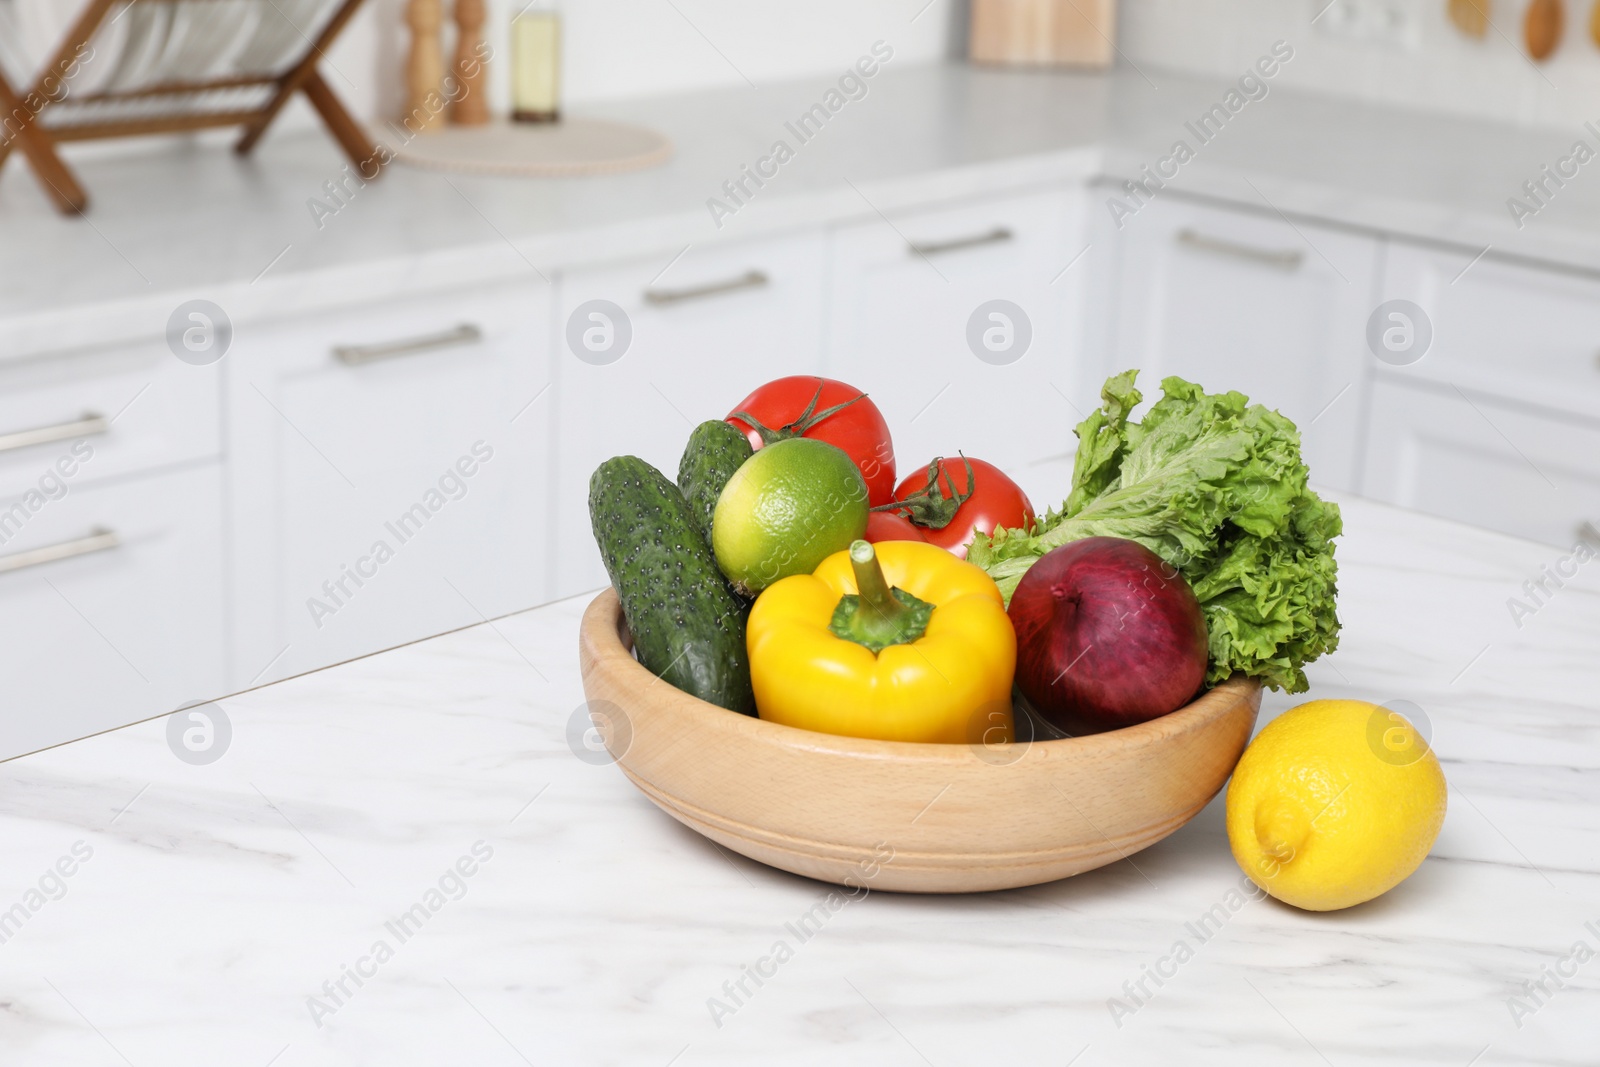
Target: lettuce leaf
[1216, 487]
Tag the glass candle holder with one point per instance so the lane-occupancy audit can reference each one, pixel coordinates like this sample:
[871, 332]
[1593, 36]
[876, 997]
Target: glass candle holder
[536, 67]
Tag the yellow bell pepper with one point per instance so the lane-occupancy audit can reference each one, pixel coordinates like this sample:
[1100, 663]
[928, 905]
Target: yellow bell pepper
[899, 641]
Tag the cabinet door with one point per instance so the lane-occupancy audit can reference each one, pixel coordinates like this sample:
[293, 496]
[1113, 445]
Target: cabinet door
[1249, 302]
[1488, 464]
[139, 408]
[390, 474]
[916, 322]
[111, 606]
[649, 349]
[1501, 329]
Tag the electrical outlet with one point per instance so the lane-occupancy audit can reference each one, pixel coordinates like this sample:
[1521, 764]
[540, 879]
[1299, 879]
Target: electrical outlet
[1391, 23]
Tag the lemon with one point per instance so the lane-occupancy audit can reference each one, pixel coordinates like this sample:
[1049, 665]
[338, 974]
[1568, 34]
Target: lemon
[786, 509]
[1335, 802]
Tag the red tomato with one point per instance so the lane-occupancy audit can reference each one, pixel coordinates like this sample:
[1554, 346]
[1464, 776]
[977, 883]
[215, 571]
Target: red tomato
[889, 526]
[951, 522]
[824, 410]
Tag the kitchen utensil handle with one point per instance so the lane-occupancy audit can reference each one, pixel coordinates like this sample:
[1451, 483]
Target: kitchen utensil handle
[1285, 259]
[750, 279]
[998, 235]
[355, 355]
[90, 423]
[99, 539]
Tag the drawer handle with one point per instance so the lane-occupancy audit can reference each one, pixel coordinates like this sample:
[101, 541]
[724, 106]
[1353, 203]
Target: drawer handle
[355, 355]
[100, 539]
[1287, 259]
[90, 423]
[998, 235]
[750, 279]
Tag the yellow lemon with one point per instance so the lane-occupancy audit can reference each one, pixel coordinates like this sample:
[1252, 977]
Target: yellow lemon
[1335, 802]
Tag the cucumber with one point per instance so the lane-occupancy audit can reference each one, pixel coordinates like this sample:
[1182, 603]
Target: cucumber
[688, 627]
[715, 450]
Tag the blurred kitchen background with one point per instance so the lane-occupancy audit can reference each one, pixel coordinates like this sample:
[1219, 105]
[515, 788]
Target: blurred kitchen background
[260, 414]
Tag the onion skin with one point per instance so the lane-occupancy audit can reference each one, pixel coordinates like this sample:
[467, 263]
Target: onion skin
[1108, 635]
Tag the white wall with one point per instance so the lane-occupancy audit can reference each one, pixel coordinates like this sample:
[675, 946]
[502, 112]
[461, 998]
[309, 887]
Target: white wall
[1446, 71]
[622, 48]
[627, 48]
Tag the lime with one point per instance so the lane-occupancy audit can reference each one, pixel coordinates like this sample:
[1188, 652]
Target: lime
[786, 509]
[1335, 802]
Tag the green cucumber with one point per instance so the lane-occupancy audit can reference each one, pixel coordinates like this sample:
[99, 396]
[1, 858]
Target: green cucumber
[687, 625]
[715, 450]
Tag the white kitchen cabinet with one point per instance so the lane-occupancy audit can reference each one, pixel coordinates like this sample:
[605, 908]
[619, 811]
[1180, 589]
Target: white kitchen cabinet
[1502, 329]
[701, 331]
[345, 482]
[1467, 457]
[390, 474]
[1237, 300]
[914, 323]
[136, 406]
[111, 607]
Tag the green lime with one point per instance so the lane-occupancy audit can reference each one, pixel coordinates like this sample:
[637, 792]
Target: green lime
[786, 509]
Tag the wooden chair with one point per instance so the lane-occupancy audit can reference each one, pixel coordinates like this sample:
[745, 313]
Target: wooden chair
[20, 112]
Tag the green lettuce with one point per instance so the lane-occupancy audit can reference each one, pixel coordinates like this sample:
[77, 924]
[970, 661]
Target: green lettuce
[1216, 487]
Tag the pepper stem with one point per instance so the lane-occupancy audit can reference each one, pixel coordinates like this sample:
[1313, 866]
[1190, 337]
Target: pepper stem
[877, 616]
[871, 584]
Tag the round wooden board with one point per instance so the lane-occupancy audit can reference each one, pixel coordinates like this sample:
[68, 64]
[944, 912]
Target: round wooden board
[566, 149]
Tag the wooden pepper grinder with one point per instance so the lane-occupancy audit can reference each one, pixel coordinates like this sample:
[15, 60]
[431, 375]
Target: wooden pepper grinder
[424, 67]
[471, 106]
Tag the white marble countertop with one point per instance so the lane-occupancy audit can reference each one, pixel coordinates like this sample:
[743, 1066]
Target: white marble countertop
[201, 222]
[207, 904]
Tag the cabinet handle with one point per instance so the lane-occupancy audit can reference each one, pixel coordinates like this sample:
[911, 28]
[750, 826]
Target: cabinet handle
[99, 540]
[750, 279]
[995, 236]
[355, 355]
[1285, 259]
[90, 423]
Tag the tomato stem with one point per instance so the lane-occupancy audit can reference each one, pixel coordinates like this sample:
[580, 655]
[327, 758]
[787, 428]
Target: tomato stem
[807, 419]
[930, 507]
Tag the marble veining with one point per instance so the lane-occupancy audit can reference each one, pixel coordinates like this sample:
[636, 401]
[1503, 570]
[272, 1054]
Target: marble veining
[254, 911]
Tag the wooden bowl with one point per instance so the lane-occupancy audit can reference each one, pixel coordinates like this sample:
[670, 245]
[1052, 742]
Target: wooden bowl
[919, 818]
